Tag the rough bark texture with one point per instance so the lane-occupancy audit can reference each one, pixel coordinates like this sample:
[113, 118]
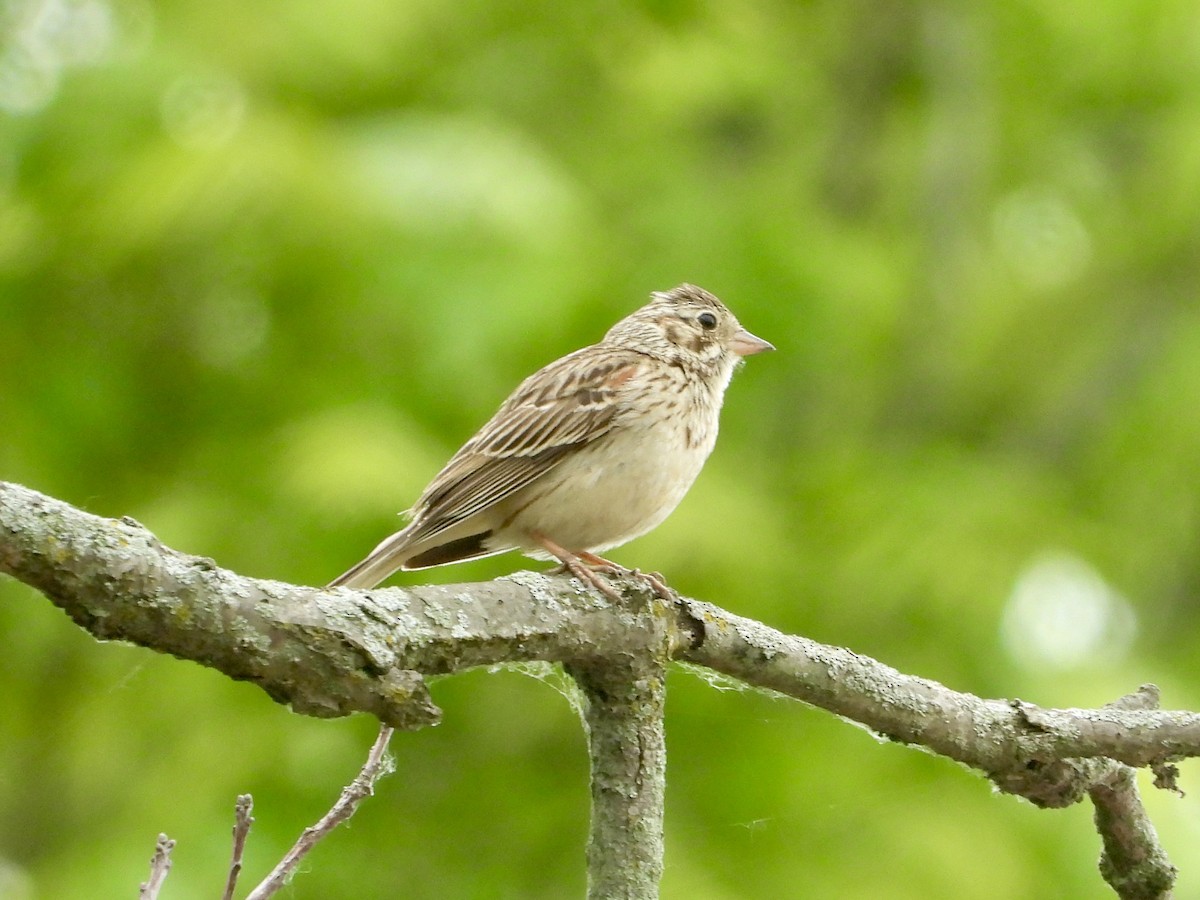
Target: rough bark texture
[323, 652]
[623, 714]
[333, 652]
[1009, 740]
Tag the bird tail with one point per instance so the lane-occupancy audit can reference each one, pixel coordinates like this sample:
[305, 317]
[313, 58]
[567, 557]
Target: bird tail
[400, 551]
[381, 562]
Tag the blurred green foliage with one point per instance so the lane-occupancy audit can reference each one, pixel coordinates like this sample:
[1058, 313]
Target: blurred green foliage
[263, 267]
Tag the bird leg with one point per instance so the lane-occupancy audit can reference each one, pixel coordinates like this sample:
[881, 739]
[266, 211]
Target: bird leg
[574, 564]
[654, 579]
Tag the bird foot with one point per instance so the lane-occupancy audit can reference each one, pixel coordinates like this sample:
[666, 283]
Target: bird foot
[655, 580]
[575, 564]
[595, 578]
[591, 569]
[658, 584]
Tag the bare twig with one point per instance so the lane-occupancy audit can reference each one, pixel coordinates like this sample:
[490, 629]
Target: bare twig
[160, 865]
[354, 793]
[241, 828]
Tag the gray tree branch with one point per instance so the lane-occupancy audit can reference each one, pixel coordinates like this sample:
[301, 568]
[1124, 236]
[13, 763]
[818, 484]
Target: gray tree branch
[623, 713]
[332, 652]
[1000, 737]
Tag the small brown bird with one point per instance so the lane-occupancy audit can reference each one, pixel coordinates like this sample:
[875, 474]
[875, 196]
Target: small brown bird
[591, 451]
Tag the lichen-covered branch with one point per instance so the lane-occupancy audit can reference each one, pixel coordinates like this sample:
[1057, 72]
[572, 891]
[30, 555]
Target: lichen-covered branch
[998, 737]
[117, 581]
[623, 712]
[324, 652]
[1051, 757]
[333, 652]
[1133, 861]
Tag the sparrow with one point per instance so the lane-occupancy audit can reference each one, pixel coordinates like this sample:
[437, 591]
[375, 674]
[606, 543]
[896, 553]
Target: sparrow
[591, 451]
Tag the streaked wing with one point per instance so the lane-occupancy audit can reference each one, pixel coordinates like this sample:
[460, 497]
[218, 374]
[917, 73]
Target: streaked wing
[564, 406]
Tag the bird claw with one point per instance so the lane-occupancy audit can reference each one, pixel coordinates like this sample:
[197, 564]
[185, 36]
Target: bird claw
[591, 569]
[593, 577]
[655, 580]
[657, 583]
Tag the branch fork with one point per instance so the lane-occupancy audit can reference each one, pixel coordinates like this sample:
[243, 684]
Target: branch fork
[333, 652]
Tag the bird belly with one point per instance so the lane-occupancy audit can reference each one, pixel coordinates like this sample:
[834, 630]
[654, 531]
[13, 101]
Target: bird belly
[611, 491]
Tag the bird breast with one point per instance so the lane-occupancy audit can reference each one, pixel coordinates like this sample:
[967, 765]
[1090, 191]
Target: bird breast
[627, 482]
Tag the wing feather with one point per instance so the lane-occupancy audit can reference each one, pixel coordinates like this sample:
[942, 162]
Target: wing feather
[568, 404]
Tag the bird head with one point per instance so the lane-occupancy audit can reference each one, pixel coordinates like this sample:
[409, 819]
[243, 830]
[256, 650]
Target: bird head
[688, 327]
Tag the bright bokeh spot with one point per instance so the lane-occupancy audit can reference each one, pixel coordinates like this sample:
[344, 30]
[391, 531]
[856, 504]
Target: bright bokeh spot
[1042, 238]
[40, 39]
[1063, 614]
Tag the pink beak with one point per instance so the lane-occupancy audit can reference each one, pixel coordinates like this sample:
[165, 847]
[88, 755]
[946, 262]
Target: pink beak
[743, 343]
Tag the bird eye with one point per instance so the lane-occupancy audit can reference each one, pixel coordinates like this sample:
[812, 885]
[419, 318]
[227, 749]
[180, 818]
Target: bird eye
[707, 321]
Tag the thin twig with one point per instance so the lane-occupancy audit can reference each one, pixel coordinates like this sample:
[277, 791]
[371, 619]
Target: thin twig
[160, 865]
[241, 828]
[354, 793]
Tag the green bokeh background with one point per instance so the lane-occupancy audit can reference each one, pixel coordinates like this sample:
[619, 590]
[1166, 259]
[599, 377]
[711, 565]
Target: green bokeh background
[264, 266]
